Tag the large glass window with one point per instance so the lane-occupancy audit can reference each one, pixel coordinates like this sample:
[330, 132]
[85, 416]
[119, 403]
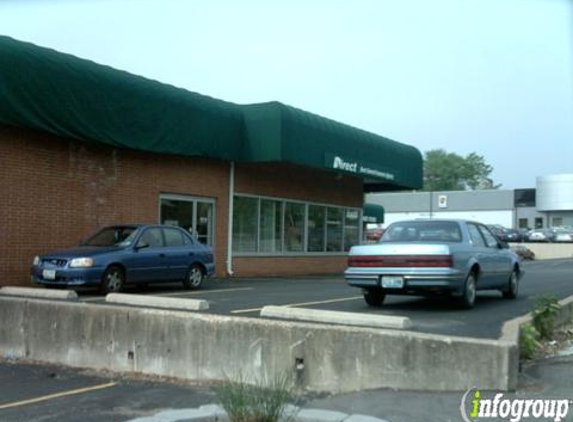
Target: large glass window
[294, 227]
[334, 229]
[271, 226]
[316, 226]
[245, 223]
[351, 229]
[274, 226]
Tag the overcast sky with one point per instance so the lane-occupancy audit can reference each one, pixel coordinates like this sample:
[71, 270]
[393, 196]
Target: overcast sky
[490, 76]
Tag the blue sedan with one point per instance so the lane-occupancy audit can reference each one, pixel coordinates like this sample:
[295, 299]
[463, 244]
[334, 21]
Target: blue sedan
[117, 255]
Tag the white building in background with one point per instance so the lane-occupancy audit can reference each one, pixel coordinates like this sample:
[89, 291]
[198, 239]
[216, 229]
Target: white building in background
[550, 204]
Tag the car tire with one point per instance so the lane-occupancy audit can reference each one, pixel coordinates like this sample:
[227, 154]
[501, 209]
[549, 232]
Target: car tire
[113, 279]
[512, 289]
[194, 277]
[374, 297]
[468, 298]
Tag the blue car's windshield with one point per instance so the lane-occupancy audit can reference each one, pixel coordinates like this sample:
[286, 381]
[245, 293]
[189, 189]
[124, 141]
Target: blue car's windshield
[112, 236]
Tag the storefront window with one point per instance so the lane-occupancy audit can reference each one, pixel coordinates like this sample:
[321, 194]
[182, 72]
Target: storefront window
[245, 222]
[275, 226]
[271, 226]
[334, 229]
[351, 229]
[316, 220]
[294, 227]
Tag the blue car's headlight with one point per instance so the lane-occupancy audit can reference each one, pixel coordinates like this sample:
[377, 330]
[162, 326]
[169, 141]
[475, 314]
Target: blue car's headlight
[81, 262]
[36, 261]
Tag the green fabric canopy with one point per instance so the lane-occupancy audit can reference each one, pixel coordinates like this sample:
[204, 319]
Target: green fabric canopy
[49, 91]
[373, 213]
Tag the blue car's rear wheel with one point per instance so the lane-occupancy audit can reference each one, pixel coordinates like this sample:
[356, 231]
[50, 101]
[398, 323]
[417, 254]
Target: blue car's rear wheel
[194, 277]
[113, 279]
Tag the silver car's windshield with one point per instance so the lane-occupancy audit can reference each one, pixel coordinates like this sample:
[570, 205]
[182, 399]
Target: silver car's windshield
[423, 231]
[112, 236]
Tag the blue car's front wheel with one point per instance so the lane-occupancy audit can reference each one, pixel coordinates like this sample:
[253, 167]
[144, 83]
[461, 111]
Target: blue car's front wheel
[194, 277]
[113, 279]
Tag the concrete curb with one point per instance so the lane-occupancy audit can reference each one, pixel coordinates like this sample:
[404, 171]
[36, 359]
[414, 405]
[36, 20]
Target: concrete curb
[510, 335]
[33, 292]
[335, 317]
[158, 302]
[215, 413]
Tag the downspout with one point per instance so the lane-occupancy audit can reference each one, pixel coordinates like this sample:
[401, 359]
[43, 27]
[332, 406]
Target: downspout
[230, 220]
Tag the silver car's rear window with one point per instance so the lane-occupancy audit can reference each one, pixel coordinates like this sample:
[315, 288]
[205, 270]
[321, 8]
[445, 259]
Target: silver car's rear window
[423, 231]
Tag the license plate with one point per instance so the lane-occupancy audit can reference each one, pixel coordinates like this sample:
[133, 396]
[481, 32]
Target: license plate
[49, 274]
[392, 282]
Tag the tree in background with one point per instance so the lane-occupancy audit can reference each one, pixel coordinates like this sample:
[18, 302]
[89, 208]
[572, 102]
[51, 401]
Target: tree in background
[449, 171]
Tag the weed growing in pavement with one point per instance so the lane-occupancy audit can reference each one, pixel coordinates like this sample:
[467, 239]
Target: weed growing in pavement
[262, 401]
[545, 310]
[528, 344]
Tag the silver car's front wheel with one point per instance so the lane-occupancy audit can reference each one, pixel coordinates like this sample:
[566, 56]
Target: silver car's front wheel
[512, 288]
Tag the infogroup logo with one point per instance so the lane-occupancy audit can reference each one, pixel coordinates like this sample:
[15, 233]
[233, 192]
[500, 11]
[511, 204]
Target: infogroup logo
[474, 407]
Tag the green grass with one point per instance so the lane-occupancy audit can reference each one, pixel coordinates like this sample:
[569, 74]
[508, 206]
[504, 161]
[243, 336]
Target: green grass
[261, 401]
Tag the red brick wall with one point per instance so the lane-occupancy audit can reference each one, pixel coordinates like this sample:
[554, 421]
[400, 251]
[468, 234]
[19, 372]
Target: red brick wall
[54, 192]
[285, 266]
[293, 182]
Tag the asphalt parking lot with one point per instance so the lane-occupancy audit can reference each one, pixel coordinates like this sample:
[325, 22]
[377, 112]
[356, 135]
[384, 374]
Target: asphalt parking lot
[246, 297]
[52, 393]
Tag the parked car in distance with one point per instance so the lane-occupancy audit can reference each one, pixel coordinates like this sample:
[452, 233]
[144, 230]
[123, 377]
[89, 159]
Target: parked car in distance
[374, 234]
[135, 254]
[540, 235]
[426, 257]
[562, 235]
[504, 234]
[512, 236]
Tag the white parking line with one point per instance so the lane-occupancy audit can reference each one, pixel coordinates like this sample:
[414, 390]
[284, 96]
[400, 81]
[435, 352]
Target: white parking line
[178, 294]
[320, 302]
[57, 395]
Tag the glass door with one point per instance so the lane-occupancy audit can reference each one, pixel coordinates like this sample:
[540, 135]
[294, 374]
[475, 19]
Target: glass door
[195, 215]
[204, 223]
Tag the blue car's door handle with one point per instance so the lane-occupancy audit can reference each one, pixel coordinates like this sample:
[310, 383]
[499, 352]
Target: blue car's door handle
[191, 254]
[161, 255]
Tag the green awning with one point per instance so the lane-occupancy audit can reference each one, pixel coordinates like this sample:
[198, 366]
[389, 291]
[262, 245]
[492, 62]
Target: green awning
[45, 90]
[373, 213]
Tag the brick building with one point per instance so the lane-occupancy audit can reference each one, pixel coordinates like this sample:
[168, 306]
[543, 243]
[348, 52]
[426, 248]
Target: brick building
[275, 190]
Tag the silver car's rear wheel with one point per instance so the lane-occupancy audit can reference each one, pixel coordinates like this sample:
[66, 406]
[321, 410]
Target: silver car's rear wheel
[468, 298]
[374, 297]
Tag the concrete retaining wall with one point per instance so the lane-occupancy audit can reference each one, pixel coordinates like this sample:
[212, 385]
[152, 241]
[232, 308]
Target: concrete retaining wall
[198, 346]
[550, 250]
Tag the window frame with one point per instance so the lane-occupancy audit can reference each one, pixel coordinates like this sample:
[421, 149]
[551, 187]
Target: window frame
[194, 199]
[304, 252]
